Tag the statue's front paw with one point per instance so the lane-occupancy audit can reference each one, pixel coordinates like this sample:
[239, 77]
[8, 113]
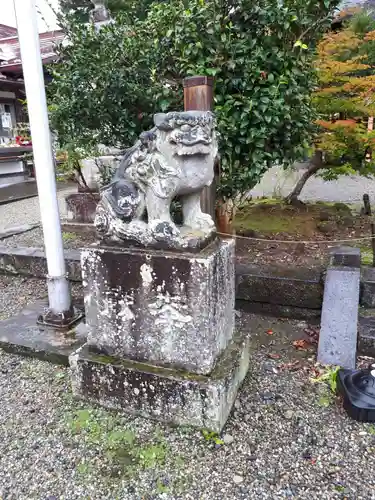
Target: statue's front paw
[101, 221]
[163, 230]
[202, 222]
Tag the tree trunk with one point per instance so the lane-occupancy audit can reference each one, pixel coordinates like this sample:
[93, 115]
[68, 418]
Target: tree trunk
[315, 165]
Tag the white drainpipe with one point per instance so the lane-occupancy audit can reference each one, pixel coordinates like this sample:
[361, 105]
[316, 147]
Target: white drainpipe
[58, 285]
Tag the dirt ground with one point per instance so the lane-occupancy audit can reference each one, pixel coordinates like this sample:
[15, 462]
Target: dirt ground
[308, 232]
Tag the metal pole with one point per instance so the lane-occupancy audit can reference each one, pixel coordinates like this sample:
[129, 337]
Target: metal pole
[58, 285]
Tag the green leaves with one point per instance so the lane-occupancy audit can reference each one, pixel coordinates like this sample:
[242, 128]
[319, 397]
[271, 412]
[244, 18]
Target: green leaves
[299, 43]
[109, 83]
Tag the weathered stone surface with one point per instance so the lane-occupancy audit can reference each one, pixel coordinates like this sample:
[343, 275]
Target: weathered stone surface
[161, 307]
[271, 285]
[81, 207]
[163, 394]
[175, 158]
[366, 332]
[21, 335]
[368, 287]
[338, 333]
[346, 256]
[29, 261]
[94, 168]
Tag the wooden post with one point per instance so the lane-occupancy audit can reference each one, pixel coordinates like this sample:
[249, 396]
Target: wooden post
[198, 95]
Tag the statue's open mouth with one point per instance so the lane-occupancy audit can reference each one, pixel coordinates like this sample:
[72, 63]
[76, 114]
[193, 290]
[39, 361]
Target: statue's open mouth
[198, 148]
[193, 142]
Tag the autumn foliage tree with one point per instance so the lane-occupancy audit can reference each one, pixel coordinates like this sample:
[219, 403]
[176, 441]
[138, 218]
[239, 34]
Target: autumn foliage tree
[345, 100]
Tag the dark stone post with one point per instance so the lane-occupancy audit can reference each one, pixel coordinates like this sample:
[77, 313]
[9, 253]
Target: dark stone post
[198, 95]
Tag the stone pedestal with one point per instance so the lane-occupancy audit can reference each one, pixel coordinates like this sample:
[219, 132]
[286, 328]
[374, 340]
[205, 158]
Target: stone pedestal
[167, 308]
[161, 333]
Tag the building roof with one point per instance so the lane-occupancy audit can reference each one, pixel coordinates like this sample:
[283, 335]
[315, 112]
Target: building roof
[6, 31]
[10, 56]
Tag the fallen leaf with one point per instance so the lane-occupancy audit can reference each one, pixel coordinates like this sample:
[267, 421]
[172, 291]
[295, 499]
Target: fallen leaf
[315, 372]
[274, 356]
[295, 365]
[313, 334]
[301, 344]
[269, 332]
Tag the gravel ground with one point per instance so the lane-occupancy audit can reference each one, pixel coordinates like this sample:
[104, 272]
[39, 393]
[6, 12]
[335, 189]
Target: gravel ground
[34, 238]
[286, 437]
[16, 292]
[27, 211]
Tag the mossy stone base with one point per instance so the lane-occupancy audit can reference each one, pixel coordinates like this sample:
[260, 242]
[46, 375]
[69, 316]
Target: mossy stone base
[164, 394]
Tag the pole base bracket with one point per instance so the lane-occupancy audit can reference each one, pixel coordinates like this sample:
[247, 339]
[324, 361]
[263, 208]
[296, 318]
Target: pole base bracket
[61, 321]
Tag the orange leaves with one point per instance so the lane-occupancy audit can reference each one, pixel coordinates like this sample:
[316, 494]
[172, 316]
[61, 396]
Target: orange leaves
[301, 344]
[370, 36]
[338, 123]
[346, 87]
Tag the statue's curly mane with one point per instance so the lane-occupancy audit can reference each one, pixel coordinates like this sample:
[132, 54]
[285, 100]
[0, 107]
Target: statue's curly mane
[144, 144]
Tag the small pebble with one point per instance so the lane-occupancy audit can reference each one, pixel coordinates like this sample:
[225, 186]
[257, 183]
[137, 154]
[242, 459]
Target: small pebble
[237, 479]
[228, 439]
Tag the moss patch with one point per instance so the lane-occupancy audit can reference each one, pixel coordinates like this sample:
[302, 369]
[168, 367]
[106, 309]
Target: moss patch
[122, 453]
[366, 255]
[268, 218]
[272, 216]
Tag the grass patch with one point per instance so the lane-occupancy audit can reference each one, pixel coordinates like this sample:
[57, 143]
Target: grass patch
[328, 386]
[366, 256]
[325, 399]
[328, 377]
[212, 437]
[67, 237]
[123, 454]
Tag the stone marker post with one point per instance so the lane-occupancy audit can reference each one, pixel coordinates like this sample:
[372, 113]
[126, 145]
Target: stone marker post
[159, 297]
[339, 324]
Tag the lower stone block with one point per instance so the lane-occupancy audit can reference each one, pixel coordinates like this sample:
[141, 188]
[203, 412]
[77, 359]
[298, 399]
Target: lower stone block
[164, 394]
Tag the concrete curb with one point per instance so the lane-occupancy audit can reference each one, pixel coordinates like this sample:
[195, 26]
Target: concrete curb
[295, 293]
[13, 231]
[29, 261]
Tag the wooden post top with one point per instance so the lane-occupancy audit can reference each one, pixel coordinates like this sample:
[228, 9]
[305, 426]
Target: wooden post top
[194, 81]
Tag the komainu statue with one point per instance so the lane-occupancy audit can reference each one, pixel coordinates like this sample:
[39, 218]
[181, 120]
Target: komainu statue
[173, 160]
